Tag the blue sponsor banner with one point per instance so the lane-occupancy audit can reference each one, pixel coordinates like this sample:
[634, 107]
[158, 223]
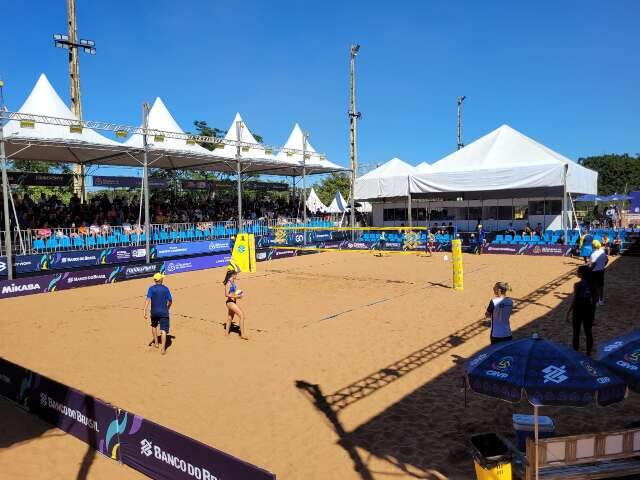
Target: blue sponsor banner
[23, 264]
[190, 248]
[198, 263]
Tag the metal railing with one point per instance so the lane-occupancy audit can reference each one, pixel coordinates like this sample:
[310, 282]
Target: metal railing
[34, 241]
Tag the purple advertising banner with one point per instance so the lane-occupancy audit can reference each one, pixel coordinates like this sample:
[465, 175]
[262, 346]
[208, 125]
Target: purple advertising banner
[83, 278]
[264, 254]
[83, 416]
[140, 271]
[197, 263]
[534, 250]
[23, 264]
[161, 453]
[25, 286]
[12, 380]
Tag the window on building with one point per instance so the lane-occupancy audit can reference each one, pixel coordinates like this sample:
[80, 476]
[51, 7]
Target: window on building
[553, 207]
[520, 212]
[505, 213]
[400, 214]
[388, 214]
[536, 207]
[419, 214]
[475, 213]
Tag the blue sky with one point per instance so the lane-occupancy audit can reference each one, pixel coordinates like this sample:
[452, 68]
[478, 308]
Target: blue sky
[564, 73]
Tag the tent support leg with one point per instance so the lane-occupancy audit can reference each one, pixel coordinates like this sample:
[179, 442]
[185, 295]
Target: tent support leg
[564, 205]
[305, 136]
[145, 183]
[239, 174]
[535, 434]
[5, 204]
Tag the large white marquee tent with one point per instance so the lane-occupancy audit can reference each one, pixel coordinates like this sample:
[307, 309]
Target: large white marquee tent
[502, 169]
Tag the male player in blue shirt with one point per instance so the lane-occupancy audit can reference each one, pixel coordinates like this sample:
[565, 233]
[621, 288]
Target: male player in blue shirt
[160, 301]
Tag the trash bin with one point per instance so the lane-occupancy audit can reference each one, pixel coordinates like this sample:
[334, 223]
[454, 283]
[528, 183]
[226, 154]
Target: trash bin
[524, 428]
[491, 456]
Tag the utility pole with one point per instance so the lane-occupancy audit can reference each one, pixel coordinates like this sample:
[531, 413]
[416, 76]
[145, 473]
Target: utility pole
[354, 115]
[70, 42]
[460, 100]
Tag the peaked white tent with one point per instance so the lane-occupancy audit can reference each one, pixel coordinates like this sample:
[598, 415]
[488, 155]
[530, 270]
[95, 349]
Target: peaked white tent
[314, 162]
[314, 204]
[388, 180]
[34, 140]
[423, 167]
[505, 159]
[338, 204]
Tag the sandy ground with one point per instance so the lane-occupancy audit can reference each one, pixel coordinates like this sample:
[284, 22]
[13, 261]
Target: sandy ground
[352, 370]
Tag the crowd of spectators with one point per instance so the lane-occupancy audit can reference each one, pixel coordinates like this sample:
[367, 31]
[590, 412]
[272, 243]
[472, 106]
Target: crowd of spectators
[101, 213]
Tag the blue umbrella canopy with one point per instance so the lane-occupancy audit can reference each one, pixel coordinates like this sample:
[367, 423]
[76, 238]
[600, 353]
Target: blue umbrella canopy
[547, 373]
[622, 355]
[590, 198]
[616, 197]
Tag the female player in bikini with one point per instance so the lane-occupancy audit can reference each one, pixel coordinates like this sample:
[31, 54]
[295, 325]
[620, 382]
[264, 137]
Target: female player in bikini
[232, 295]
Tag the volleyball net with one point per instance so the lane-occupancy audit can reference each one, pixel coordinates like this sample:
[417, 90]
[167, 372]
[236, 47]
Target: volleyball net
[362, 239]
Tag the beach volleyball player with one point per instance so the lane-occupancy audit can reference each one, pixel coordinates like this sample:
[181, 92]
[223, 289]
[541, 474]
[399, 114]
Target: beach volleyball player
[232, 294]
[159, 300]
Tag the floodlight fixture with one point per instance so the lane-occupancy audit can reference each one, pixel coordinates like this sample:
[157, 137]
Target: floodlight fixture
[355, 48]
[60, 40]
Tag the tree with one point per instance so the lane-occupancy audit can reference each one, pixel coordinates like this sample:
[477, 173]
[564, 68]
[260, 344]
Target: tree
[331, 184]
[616, 173]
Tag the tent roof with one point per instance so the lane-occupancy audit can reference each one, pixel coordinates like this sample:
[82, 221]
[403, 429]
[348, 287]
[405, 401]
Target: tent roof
[504, 159]
[314, 204]
[314, 164]
[393, 168]
[55, 143]
[423, 167]
[503, 146]
[338, 204]
[161, 119]
[388, 180]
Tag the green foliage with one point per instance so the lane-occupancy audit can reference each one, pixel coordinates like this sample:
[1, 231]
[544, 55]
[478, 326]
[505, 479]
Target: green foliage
[616, 173]
[333, 182]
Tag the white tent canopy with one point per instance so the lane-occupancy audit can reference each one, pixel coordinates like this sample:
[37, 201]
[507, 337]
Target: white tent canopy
[338, 205]
[388, 180]
[314, 204]
[505, 159]
[56, 143]
[423, 167]
[314, 164]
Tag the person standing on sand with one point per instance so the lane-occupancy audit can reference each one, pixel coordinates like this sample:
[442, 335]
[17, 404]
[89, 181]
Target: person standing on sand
[583, 306]
[597, 263]
[499, 311]
[232, 295]
[160, 300]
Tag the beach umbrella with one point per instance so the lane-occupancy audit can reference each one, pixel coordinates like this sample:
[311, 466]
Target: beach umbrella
[616, 197]
[622, 355]
[590, 198]
[543, 372]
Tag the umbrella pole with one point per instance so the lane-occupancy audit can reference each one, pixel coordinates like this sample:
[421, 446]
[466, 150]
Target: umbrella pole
[535, 434]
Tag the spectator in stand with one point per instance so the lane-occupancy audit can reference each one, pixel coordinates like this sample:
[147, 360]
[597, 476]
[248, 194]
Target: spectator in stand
[538, 230]
[527, 230]
[511, 231]
[561, 240]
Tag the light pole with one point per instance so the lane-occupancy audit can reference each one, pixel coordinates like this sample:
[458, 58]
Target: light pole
[460, 100]
[354, 115]
[70, 42]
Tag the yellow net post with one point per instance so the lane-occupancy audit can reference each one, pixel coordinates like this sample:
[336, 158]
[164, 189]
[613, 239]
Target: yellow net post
[243, 257]
[458, 274]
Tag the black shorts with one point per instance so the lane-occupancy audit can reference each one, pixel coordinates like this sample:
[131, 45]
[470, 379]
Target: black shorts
[598, 278]
[162, 321]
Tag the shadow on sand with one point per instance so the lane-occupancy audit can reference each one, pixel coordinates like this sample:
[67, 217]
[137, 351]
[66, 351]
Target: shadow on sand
[425, 434]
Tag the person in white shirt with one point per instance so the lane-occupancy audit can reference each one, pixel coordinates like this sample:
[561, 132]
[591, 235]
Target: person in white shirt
[597, 263]
[499, 311]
